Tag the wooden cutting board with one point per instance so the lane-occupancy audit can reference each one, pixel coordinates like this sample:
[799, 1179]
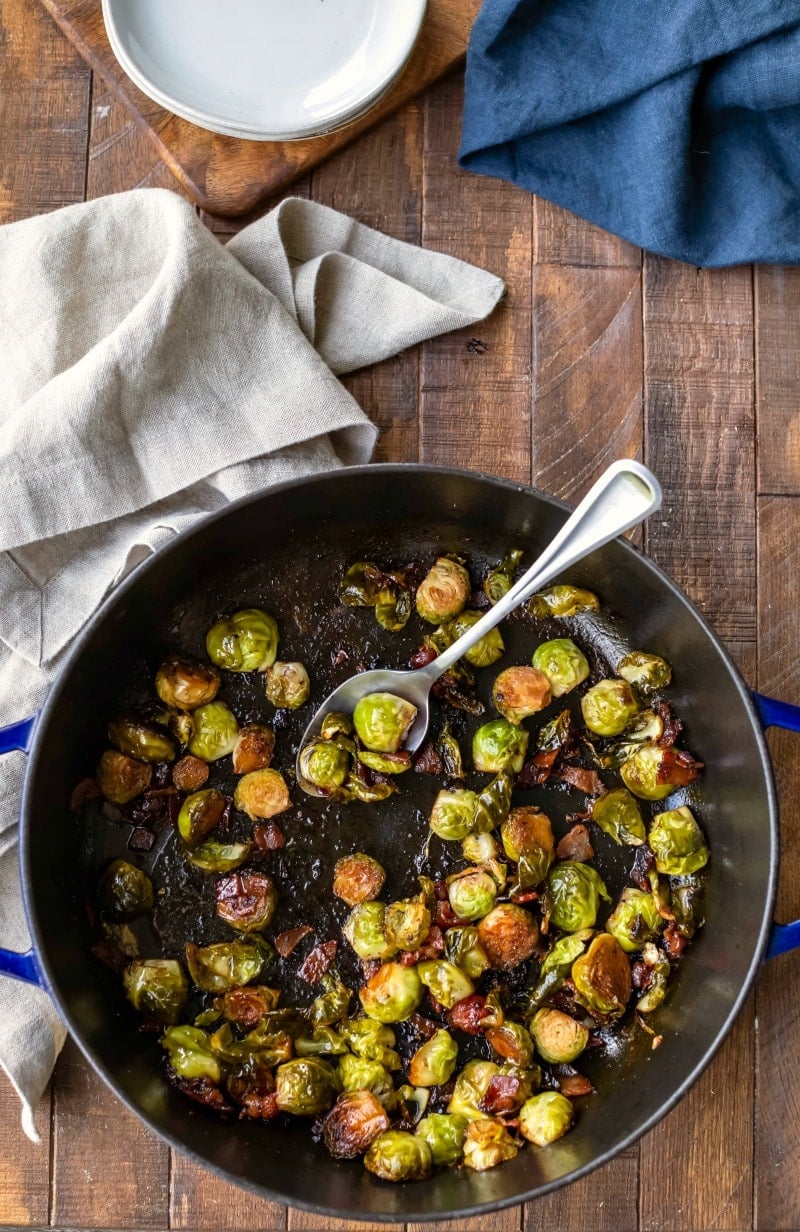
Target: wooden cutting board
[226, 175]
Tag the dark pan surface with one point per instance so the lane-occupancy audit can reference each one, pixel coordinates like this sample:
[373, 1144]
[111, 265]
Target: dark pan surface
[286, 551]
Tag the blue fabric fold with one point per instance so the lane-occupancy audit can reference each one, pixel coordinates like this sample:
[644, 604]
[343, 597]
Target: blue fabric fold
[675, 125]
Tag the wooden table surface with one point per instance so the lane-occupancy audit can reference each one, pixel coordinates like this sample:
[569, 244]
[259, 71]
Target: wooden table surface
[597, 351]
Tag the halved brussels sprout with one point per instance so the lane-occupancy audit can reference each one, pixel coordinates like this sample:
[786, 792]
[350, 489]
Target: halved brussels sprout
[527, 829]
[244, 642]
[255, 745]
[228, 964]
[519, 692]
[336, 724]
[215, 732]
[247, 1006]
[608, 707]
[494, 801]
[634, 920]
[446, 982]
[357, 788]
[453, 813]
[546, 1117]
[509, 935]
[464, 949]
[199, 813]
[575, 891]
[399, 1156]
[184, 685]
[499, 745]
[487, 1143]
[360, 1074]
[365, 929]
[563, 664]
[382, 721]
[305, 1086]
[444, 1135]
[156, 987]
[214, 857]
[653, 772]
[433, 1062]
[501, 578]
[262, 1048]
[122, 778]
[357, 878]
[645, 671]
[190, 1053]
[190, 773]
[354, 1122]
[480, 848]
[392, 994]
[124, 891]
[371, 1040]
[386, 763]
[659, 969]
[262, 794]
[617, 814]
[333, 1002]
[407, 923]
[287, 685]
[511, 1042]
[677, 843]
[145, 741]
[443, 592]
[361, 585]
[325, 765]
[471, 893]
[602, 977]
[485, 652]
[556, 966]
[562, 600]
[559, 1038]
[470, 1087]
[247, 901]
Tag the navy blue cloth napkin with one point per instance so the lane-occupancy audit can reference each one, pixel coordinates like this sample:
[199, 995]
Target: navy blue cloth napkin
[673, 123]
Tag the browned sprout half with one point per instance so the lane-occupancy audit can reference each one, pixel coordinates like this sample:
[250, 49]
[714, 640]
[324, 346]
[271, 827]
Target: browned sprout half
[653, 772]
[146, 741]
[199, 813]
[407, 923]
[392, 993]
[247, 901]
[644, 671]
[287, 685]
[125, 891]
[357, 878]
[511, 1042]
[353, 1124]
[443, 592]
[562, 600]
[602, 977]
[262, 793]
[526, 828]
[227, 964]
[184, 684]
[508, 934]
[487, 1143]
[519, 692]
[190, 773]
[434, 1061]
[122, 778]
[382, 721]
[253, 750]
[559, 1038]
[446, 982]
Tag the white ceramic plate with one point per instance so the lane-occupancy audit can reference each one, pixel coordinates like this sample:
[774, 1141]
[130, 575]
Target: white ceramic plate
[269, 70]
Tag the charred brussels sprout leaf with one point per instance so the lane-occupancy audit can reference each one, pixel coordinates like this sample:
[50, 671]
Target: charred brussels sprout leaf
[444, 1135]
[124, 891]
[361, 585]
[563, 664]
[228, 964]
[335, 724]
[470, 1088]
[357, 878]
[634, 920]
[645, 672]
[575, 891]
[499, 745]
[190, 1053]
[618, 815]
[608, 707]
[287, 685]
[453, 813]
[262, 794]
[392, 994]
[156, 987]
[393, 608]
[215, 732]
[658, 966]
[122, 778]
[677, 843]
[214, 857]
[494, 801]
[687, 903]
[559, 1038]
[199, 813]
[501, 578]
[305, 1086]
[519, 692]
[247, 901]
[399, 1156]
[602, 977]
[487, 1143]
[371, 1041]
[354, 1122]
[463, 948]
[382, 721]
[450, 752]
[471, 893]
[443, 592]
[562, 601]
[325, 765]
[262, 1048]
[333, 1002]
[407, 923]
[184, 685]
[653, 772]
[365, 929]
[434, 1062]
[556, 967]
[508, 934]
[446, 983]
[486, 651]
[244, 642]
[545, 1118]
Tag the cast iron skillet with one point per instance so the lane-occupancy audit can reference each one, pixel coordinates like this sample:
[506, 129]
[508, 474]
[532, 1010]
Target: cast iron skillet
[285, 549]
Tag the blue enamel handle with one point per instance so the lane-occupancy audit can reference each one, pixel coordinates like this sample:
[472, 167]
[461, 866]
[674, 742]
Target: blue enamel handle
[773, 713]
[18, 737]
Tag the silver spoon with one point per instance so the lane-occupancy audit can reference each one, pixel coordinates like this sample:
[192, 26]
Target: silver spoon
[624, 495]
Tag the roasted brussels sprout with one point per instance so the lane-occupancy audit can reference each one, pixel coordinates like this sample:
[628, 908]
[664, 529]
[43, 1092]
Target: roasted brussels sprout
[618, 815]
[359, 1074]
[494, 801]
[184, 685]
[407, 923]
[446, 983]
[392, 994]
[145, 741]
[487, 1143]
[261, 1048]
[244, 642]
[499, 745]
[677, 843]
[527, 829]
[287, 685]
[486, 651]
[362, 584]
[122, 778]
[480, 848]
[433, 1062]
[562, 600]
[255, 745]
[658, 967]
[653, 772]
[305, 1086]
[156, 987]
[687, 903]
[199, 813]
[511, 1042]
[247, 901]
[519, 692]
[556, 967]
[575, 891]
[365, 929]
[228, 964]
[563, 664]
[443, 592]
[545, 1118]
[357, 878]
[214, 857]
[602, 977]
[371, 1041]
[559, 1038]
[325, 765]
[444, 1135]
[399, 1156]
[646, 672]
[386, 763]
[247, 1006]
[190, 773]
[608, 707]
[634, 920]
[262, 793]
[463, 948]
[501, 578]
[333, 1002]
[215, 732]
[382, 721]
[353, 1123]
[190, 1053]
[337, 726]
[470, 1088]
[453, 813]
[124, 891]
[471, 893]
[508, 934]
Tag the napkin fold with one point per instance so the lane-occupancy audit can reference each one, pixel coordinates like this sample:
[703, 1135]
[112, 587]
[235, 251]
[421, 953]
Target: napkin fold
[148, 376]
[675, 125]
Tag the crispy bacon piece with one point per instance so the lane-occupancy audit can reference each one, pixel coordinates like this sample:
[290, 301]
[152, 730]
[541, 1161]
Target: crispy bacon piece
[85, 791]
[537, 769]
[432, 947]
[255, 1095]
[468, 1014]
[141, 839]
[502, 1094]
[575, 845]
[288, 941]
[268, 836]
[678, 767]
[428, 760]
[444, 916]
[318, 962]
[587, 781]
[524, 896]
[423, 1026]
[672, 724]
[190, 773]
[674, 941]
[423, 656]
[575, 1085]
[201, 1090]
[451, 688]
[643, 862]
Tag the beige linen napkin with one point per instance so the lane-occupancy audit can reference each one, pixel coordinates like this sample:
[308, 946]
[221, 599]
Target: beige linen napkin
[149, 375]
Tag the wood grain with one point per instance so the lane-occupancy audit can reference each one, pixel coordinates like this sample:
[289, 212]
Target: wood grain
[24, 1165]
[605, 1201]
[199, 1200]
[777, 324]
